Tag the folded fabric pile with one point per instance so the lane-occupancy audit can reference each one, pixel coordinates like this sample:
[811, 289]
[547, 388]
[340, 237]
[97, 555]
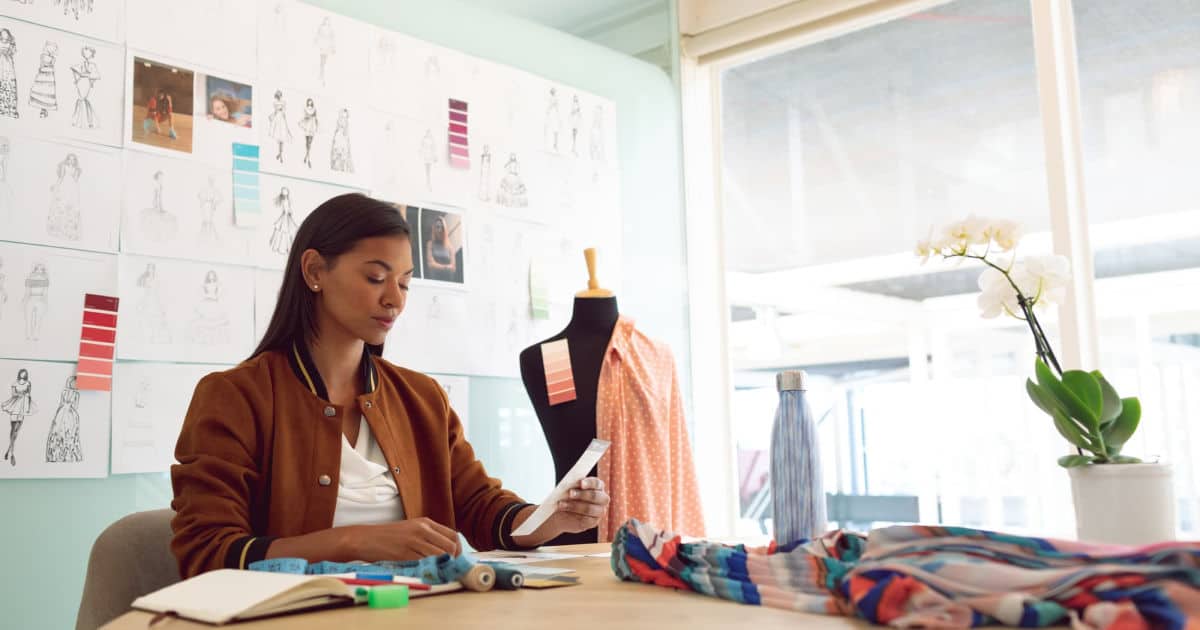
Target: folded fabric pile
[932, 577]
[431, 569]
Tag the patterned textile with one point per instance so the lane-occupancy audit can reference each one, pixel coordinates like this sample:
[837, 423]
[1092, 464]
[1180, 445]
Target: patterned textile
[932, 577]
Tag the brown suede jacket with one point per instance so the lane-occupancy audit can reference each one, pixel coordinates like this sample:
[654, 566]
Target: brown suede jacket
[260, 451]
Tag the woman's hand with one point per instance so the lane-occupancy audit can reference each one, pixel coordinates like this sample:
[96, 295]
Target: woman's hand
[410, 539]
[579, 511]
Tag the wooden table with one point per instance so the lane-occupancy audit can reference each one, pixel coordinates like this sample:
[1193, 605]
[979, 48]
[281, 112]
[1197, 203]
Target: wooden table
[600, 601]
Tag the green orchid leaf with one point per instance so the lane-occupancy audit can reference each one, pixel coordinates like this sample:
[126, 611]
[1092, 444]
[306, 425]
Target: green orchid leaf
[1085, 387]
[1112, 401]
[1043, 398]
[1071, 431]
[1071, 461]
[1124, 459]
[1121, 429]
[1075, 407]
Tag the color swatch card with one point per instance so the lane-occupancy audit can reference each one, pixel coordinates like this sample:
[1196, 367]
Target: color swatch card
[246, 209]
[549, 505]
[460, 155]
[97, 343]
[560, 383]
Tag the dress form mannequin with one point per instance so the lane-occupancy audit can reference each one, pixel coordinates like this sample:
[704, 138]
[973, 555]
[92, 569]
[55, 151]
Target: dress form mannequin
[571, 426]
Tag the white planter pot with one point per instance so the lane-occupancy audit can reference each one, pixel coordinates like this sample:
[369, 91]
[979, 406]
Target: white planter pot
[1125, 504]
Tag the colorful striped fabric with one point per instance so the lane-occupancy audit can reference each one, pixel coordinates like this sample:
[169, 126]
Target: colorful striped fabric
[932, 577]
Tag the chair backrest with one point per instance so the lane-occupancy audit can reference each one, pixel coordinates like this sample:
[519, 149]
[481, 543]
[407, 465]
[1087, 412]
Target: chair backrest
[131, 558]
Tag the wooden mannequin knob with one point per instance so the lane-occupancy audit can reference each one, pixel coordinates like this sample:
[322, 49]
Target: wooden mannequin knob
[593, 290]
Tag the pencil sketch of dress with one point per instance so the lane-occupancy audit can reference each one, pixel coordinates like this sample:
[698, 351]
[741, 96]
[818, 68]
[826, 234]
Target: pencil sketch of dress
[74, 7]
[324, 42]
[7, 200]
[158, 225]
[150, 308]
[512, 189]
[62, 221]
[44, 93]
[35, 302]
[429, 157]
[210, 322]
[19, 406]
[576, 120]
[62, 443]
[8, 75]
[285, 226]
[210, 197]
[86, 73]
[485, 174]
[277, 127]
[309, 127]
[340, 159]
[553, 121]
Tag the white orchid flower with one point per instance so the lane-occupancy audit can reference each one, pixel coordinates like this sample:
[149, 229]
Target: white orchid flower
[997, 295]
[1044, 279]
[925, 247]
[1004, 233]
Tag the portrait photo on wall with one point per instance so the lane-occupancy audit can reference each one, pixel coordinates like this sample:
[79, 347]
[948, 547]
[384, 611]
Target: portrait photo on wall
[412, 215]
[162, 105]
[227, 101]
[442, 243]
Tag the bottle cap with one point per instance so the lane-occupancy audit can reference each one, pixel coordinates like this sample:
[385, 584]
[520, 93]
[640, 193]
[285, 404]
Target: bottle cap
[387, 596]
[791, 380]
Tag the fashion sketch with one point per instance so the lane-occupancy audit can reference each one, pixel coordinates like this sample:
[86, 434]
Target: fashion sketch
[553, 121]
[18, 407]
[385, 55]
[285, 226]
[576, 121]
[8, 75]
[210, 197]
[210, 322]
[309, 127]
[36, 304]
[7, 200]
[325, 45]
[150, 308]
[157, 223]
[435, 308]
[62, 221]
[62, 443]
[86, 73]
[44, 93]
[485, 174]
[512, 189]
[429, 157]
[340, 159]
[277, 125]
[74, 7]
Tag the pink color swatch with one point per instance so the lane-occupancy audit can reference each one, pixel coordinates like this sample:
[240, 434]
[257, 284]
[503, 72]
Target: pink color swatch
[560, 383]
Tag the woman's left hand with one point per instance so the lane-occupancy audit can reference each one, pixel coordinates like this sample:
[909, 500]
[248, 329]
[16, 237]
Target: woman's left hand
[580, 510]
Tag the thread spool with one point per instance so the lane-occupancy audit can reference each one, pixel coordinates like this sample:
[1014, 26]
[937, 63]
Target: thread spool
[480, 578]
[508, 578]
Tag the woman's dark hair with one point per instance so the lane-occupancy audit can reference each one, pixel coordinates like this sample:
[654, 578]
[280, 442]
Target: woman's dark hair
[332, 229]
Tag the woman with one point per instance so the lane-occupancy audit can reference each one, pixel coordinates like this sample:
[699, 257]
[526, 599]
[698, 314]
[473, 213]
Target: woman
[62, 443]
[7, 200]
[154, 323]
[17, 407]
[277, 125]
[315, 447]
[87, 73]
[512, 189]
[339, 153]
[44, 93]
[37, 284]
[439, 253]
[158, 224]
[324, 42]
[309, 126]
[210, 322]
[210, 197]
[8, 75]
[224, 107]
[63, 219]
[160, 110]
[285, 226]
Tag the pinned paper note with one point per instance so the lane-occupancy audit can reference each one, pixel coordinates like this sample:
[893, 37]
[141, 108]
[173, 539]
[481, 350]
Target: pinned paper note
[460, 154]
[97, 343]
[539, 291]
[586, 462]
[560, 383]
[246, 209]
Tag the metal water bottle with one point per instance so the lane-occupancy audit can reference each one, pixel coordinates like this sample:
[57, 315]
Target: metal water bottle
[797, 494]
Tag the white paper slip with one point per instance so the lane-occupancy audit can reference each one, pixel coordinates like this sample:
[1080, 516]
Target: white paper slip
[550, 504]
[537, 571]
[523, 557]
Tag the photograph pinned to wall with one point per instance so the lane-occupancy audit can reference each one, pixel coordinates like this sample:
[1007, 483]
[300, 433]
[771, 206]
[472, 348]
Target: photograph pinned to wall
[59, 194]
[304, 134]
[285, 203]
[174, 308]
[429, 335]
[224, 116]
[98, 19]
[228, 102]
[53, 430]
[42, 295]
[266, 294]
[458, 392]
[222, 34]
[180, 209]
[161, 105]
[59, 85]
[312, 49]
[149, 402]
[443, 237]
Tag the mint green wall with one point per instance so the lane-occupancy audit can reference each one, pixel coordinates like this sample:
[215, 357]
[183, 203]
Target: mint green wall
[47, 527]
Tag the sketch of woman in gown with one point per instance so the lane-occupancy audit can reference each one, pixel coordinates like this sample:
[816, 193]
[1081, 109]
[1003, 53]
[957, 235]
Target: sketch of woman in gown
[86, 73]
[7, 201]
[62, 443]
[74, 7]
[429, 157]
[512, 189]
[309, 126]
[576, 120]
[150, 308]
[210, 323]
[325, 45]
[44, 93]
[210, 197]
[553, 121]
[339, 154]
[37, 285]
[285, 225]
[157, 224]
[18, 407]
[8, 75]
[62, 221]
[277, 126]
[485, 174]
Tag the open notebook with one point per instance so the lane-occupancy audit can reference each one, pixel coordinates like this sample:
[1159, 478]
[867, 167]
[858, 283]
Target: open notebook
[227, 595]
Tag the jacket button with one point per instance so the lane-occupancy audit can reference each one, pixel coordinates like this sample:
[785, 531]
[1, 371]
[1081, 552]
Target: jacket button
[324, 480]
[396, 470]
[330, 412]
[367, 404]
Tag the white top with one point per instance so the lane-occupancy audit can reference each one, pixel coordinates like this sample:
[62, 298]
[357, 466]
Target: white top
[367, 492]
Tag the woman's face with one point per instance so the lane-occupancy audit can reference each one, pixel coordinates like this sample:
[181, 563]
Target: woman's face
[23, 375]
[366, 289]
[220, 111]
[439, 229]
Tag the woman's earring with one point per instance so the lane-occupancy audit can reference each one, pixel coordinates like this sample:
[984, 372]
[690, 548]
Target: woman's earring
[316, 287]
